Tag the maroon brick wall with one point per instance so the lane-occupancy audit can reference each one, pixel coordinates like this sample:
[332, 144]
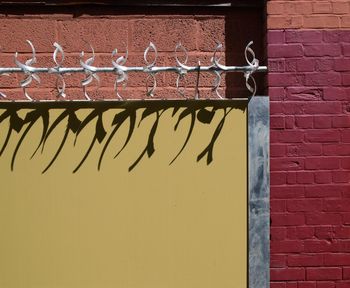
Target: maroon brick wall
[309, 89]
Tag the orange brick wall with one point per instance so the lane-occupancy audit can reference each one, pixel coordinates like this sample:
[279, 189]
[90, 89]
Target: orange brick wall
[308, 14]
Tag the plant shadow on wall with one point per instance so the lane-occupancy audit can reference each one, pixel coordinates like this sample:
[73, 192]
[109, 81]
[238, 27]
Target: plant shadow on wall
[124, 113]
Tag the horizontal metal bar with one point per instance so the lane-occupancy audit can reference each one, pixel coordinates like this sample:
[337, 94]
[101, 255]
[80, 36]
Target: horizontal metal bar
[119, 68]
[155, 69]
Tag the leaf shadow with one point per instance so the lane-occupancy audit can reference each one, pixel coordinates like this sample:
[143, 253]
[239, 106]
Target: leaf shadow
[198, 112]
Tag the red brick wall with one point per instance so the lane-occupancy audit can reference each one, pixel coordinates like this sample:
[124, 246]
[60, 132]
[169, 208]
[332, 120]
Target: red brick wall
[309, 88]
[110, 27]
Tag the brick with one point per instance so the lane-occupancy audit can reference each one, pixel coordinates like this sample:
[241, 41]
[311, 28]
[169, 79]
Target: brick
[276, 93]
[277, 205]
[323, 163]
[322, 122]
[278, 233]
[277, 150]
[291, 178]
[336, 94]
[308, 284]
[345, 162]
[345, 136]
[305, 177]
[292, 150]
[323, 177]
[318, 246]
[282, 219]
[322, 7]
[286, 246]
[75, 34]
[340, 7]
[280, 22]
[345, 21]
[324, 232]
[289, 122]
[303, 7]
[167, 31]
[304, 150]
[346, 109]
[287, 164]
[324, 79]
[324, 64]
[278, 274]
[276, 108]
[342, 205]
[337, 259]
[342, 232]
[342, 246]
[323, 219]
[341, 121]
[321, 273]
[285, 50]
[317, 50]
[305, 108]
[285, 80]
[291, 65]
[325, 284]
[341, 176]
[275, 8]
[315, 21]
[336, 36]
[276, 65]
[342, 64]
[278, 261]
[303, 94]
[346, 273]
[346, 218]
[336, 149]
[303, 260]
[211, 31]
[275, 36]
[305, 65]
[322, 135]
[304, 36]
[292, 233]
[278, 178]
[346, 191]
[322, 191]
[277, 285]
[343, 284]
[304, 121]
[287, 192]
[41, 33]
[289, 8]
[346, 79]
[277, 122]
[304, 205]
[346, 49]
[300, 232]
[287, 136]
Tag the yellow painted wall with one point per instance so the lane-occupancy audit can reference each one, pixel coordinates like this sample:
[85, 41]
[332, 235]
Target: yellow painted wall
[158, 225]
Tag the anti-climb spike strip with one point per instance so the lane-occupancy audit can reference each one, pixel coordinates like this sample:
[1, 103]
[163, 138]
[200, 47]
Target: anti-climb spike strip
[119, 68]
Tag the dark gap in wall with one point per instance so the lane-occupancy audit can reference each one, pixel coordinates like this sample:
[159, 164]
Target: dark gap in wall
[242, 26]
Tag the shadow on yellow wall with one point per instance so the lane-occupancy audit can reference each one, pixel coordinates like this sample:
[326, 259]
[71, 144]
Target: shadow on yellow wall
[156, 216]
[75, 119]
